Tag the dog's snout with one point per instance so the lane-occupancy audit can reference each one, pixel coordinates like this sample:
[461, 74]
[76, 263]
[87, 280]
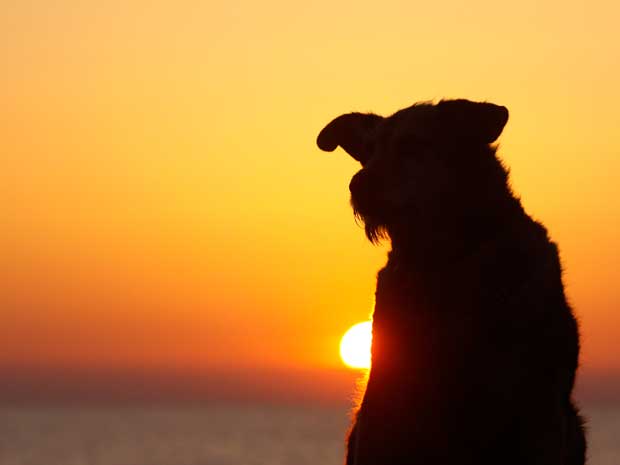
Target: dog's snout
[363, 193]
[361, 185]
[355, 186]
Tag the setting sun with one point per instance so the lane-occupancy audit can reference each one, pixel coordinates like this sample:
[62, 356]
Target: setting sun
[355, 345]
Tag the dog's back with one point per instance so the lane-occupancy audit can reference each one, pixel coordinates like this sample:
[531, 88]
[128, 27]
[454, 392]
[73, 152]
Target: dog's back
[474, 346]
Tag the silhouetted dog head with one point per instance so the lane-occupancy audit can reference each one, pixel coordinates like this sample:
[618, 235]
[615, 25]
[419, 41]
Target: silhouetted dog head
[420, 164]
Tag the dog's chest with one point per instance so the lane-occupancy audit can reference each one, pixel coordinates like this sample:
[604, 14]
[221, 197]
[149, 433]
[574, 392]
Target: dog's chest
[431, 321]
[413, 324]
[407, 297]
[448, 319]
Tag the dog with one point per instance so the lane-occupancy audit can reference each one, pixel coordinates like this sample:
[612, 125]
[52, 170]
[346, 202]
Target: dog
[475, 348]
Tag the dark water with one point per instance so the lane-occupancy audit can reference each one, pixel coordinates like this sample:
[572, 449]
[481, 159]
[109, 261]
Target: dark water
[214, 435]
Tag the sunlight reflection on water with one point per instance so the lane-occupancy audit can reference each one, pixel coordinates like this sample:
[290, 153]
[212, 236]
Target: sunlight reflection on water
[214, 435]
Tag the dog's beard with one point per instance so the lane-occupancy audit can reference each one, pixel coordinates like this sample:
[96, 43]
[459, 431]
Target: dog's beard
[375, 228]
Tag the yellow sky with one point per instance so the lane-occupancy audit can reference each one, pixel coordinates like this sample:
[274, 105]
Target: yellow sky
[165, 206]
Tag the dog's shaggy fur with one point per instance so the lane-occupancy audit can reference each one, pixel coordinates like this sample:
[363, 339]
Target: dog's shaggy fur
[474, 345]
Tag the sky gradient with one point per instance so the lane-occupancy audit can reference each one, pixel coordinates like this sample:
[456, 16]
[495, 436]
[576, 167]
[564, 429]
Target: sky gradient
[168, 216]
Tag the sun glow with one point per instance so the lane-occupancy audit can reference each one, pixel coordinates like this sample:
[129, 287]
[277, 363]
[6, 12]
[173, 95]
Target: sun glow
[355, 345]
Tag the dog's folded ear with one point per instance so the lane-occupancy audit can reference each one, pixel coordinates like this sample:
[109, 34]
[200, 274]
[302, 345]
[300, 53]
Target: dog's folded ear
[350, 132]
[478, 121]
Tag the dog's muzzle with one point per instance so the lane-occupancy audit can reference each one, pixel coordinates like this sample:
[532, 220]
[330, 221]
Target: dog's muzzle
[363, 193]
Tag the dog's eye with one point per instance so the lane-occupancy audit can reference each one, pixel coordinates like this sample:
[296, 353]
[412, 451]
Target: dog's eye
[369, 147]
[410, 146]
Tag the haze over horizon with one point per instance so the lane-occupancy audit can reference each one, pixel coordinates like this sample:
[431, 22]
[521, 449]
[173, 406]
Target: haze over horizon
[169, 220]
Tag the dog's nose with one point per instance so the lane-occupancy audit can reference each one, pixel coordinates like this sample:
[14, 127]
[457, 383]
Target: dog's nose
[355, 186]
[363, 192]
[359, 185]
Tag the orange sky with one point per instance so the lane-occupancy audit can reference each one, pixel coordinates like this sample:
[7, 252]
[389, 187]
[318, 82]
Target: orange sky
[165, 208]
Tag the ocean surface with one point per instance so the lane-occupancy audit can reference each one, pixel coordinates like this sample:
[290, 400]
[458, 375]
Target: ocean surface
[208, 435]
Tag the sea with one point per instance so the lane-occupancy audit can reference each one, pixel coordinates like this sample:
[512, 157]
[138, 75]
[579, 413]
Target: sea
[225, 434]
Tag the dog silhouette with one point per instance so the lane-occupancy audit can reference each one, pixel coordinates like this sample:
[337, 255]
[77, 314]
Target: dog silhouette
[475, 348]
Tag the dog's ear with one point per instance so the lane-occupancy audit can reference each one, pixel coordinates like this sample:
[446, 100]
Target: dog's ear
[481, 122]
[349, 132]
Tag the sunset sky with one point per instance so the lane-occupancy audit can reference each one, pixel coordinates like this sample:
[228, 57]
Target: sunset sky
[170, 224]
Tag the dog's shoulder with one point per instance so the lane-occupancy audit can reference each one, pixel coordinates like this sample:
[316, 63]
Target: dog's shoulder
[522, 261]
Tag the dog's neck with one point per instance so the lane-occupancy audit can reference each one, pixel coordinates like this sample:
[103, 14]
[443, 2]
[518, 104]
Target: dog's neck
[445, 239]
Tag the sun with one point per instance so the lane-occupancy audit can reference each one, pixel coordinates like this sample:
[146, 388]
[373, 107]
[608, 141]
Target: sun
[355, 345]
